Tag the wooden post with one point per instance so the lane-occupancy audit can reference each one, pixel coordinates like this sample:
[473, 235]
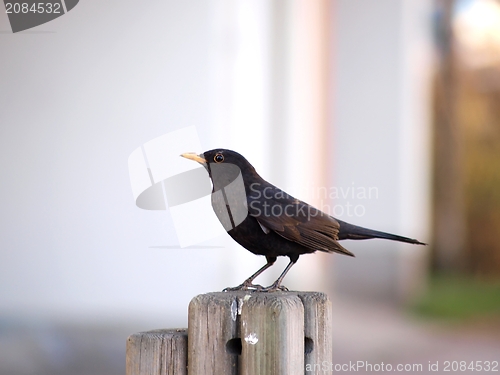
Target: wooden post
[240, 333]
[213, 333]
[251, 333]
[272, 333]
[159, 352]
[317, 330]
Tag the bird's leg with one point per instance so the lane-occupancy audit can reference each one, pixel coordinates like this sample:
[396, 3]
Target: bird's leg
[247, 284]
[277, 284]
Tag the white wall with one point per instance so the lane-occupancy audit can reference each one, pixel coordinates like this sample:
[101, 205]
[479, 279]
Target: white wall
[78, 95]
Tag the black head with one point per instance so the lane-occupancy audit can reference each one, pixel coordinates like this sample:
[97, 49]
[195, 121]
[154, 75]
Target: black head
[223, 165]
[220, 156]
[224, 156]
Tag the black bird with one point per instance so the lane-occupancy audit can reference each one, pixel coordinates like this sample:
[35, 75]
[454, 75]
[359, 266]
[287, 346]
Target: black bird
[267, 221]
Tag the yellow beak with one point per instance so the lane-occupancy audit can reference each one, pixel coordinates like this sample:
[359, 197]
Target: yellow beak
[193, 156]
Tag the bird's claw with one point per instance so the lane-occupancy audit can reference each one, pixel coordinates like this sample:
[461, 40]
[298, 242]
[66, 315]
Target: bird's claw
[274, 288]
[257, 288]
[245, 286]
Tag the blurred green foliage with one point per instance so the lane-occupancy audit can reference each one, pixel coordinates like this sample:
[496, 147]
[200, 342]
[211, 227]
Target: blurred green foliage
[459, 298]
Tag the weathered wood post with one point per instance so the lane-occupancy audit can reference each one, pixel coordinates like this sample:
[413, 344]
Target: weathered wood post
[158, 352]
[241, 333]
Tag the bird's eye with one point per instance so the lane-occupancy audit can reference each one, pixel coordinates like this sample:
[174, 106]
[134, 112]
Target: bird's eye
[219, 158]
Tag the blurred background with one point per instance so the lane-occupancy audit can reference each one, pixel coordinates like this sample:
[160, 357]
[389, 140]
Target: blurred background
[384, 113]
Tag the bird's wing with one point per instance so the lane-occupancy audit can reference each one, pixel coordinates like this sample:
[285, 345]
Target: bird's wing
[295, 220]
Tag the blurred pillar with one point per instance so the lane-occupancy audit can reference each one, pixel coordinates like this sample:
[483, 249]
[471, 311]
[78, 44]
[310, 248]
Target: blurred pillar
[300, 55]
[240, 101]
[381, 132]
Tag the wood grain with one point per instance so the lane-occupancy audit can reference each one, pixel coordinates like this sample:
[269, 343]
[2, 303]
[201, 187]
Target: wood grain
[158, 352]
[317, 330]
[212, 323]
[272, 330]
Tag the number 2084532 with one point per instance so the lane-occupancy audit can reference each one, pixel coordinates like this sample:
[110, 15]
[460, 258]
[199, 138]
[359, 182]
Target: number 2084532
[25, 8]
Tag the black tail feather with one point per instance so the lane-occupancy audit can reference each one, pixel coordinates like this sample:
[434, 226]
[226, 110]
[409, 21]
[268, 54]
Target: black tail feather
[352, 232]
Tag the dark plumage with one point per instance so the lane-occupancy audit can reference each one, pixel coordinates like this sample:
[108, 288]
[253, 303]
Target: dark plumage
[267, 221]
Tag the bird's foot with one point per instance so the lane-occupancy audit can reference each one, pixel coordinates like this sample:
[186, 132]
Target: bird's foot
[273, 288]
[247, 285]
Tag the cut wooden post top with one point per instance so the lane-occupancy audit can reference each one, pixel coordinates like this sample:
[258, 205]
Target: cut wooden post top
[158, 352]
[247, 332]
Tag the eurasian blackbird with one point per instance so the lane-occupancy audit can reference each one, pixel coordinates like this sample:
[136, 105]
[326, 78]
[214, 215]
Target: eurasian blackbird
[267, 221]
